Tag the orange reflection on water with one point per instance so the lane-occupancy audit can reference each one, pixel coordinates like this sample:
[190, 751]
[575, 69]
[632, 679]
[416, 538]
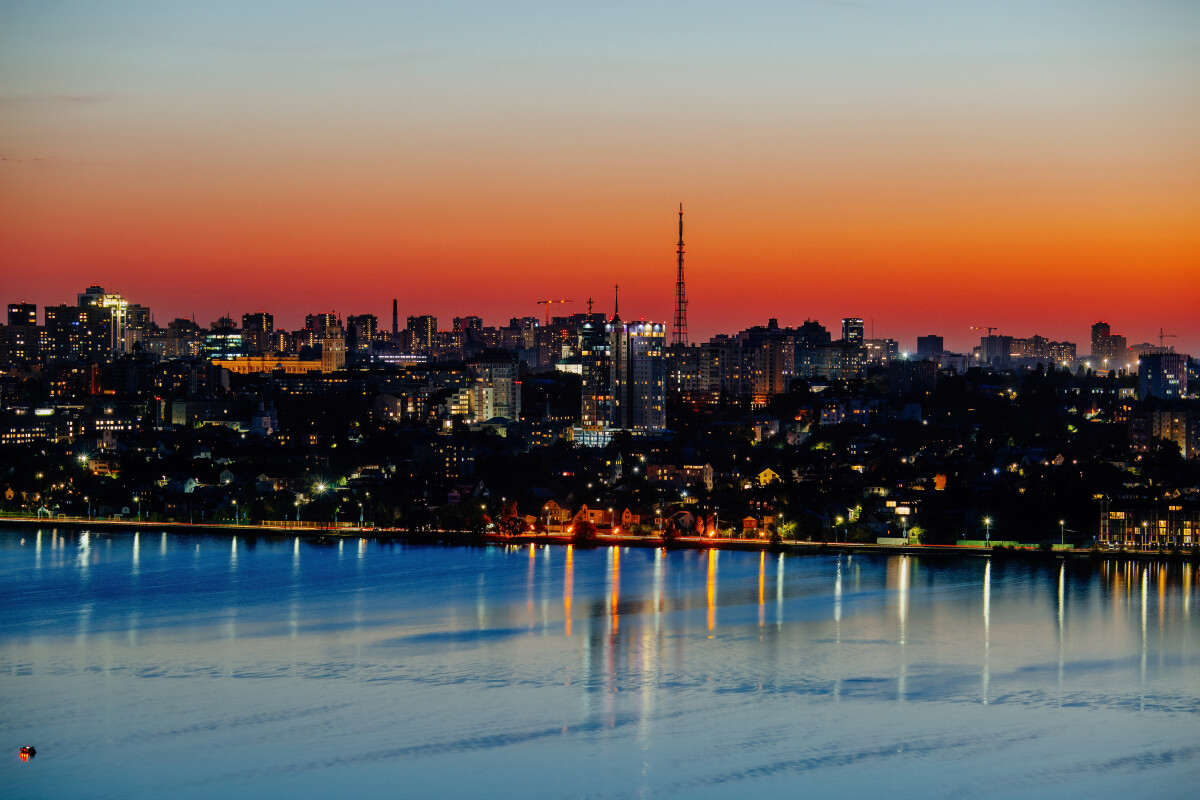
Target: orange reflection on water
[568, 587]
[762, 579]
[712, 589]
[616, 586]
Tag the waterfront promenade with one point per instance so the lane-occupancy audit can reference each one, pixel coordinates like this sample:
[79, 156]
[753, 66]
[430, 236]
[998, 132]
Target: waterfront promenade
[308, 529]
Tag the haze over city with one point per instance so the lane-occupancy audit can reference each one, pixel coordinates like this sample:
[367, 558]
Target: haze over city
[925, 166]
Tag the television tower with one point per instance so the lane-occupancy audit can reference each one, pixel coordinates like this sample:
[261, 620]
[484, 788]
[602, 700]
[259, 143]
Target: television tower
[679, 333]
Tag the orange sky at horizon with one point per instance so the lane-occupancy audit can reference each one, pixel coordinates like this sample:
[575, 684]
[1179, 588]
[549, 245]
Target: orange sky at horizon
[1033, 173]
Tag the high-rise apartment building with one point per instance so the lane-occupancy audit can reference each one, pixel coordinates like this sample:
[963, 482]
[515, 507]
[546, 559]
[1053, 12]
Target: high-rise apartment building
[499, 373]
[361, 330]
[22, 314]
[930, 347]
[77, 332]
[256, 332]
[1108, 348]
[1162, 375]
[853, 331]
[420, 333]
[596, 371]
[639, 375]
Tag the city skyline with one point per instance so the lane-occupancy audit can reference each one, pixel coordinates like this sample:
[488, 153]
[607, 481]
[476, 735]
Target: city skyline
[836, 326]
[929, 168]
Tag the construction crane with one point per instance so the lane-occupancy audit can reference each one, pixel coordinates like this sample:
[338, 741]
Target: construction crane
[548, 303]
[1162, 336]
[988, 328]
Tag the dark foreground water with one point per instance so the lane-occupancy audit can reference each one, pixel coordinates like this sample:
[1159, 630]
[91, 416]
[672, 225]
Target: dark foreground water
[196, 667]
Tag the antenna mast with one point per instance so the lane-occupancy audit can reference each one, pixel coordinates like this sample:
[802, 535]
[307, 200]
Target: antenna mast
[679, 334]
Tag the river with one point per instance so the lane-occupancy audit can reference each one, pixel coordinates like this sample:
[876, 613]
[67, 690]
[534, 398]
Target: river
[189, 666]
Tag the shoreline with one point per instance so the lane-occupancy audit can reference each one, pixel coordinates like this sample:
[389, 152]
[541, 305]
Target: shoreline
[472, 539]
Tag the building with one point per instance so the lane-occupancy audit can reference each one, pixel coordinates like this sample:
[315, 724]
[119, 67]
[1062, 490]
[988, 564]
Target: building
[908, 377]
[420, 333]
[77, 332]
[880, 352]
[1179, 427]
[499, 373]
[333, 350]
[853, 331]
[1162, 375]
[1108, 346]
[223, 341]
[995, 350]
[595, 358]
[256, 332]
[930, 347]
[24, 314]
[639, 375]
[361, 331]
[1160, 526]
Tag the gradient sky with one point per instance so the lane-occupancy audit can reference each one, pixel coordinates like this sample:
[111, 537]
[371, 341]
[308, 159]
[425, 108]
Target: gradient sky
[926, 165]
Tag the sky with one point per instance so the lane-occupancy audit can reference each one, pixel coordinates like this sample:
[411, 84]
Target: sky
[927, 166]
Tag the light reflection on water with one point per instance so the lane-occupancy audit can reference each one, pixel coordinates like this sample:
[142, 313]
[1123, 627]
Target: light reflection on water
[246, 665]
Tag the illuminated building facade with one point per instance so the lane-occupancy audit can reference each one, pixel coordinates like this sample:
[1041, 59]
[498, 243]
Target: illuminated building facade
[420, 333]
[853, 331]
[639, 375]
[77, 332]
[1162, 375]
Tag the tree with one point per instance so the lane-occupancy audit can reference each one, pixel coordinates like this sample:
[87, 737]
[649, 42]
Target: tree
[585, 532]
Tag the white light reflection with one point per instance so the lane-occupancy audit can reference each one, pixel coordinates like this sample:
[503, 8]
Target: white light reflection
[779, 592]
[902, 616]
[987, 626]
[837, 624]
[37, 551]
[529, 585]
[137, 553]
[233, 554]
[1187, 592]
[162, 545]
[83, 553]
[1062, 599]
[658, 589]
[1142, 705]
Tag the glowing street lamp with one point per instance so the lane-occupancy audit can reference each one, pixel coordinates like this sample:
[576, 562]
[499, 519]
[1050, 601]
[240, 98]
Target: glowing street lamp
[237, 514]
[987, 524]
[1062, 532]
[838, 523]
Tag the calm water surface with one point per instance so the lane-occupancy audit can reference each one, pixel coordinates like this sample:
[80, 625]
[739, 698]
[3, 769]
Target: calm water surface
[156, 665]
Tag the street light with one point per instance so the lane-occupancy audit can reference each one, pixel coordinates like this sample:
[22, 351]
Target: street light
[138, 499]
[837, 523]
[1062, 532]
[987, 524]
[297, 511]
[237, 514]
[360, 515]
